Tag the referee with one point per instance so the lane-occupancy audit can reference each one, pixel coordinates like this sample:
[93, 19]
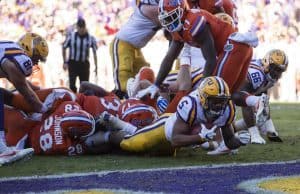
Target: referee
[79, 44]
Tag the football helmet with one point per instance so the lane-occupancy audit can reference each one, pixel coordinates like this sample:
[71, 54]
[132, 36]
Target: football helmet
[170, 13]
[146, 73]
[137, 113]
[275, 62]
[226, 18]
[35, 47]
[214, 96]
[77, 124]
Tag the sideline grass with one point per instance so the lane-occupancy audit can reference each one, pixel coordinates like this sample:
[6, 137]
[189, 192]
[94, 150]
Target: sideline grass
[286, 118]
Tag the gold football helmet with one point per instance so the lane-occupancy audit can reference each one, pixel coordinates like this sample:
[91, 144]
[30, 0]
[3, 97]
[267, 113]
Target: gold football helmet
[275, 62]
[214, 96]
[35, 47]
[226, 18]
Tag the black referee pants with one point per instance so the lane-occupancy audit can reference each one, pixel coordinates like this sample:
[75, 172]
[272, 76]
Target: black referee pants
[80, 69]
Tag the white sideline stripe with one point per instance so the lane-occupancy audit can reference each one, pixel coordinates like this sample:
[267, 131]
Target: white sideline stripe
[114, 191]
[251, 186]
[103, 173]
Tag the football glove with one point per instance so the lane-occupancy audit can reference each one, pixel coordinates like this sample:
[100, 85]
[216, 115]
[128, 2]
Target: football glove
[207, 134]
[244, 137]
[152, 90]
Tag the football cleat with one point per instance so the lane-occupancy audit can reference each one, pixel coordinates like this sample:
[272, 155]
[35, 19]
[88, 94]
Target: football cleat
[263, 110]
[255, 136]
[257, 139]
[222, 150]
[12, 155]
[274, 137]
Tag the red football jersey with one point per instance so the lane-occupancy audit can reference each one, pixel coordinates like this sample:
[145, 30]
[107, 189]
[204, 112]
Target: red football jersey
[195, 20]
[47, 138]
[96, 105]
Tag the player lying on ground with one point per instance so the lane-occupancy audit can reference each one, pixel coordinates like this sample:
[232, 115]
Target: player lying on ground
[51, 139]
[17, 60]
[209, 106]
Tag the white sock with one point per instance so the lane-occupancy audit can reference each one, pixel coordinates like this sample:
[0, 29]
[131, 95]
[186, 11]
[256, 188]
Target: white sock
[253, 130]
[106, 136]
[3, 145]
[21, 143]
[124, 126]
[268, 126]
[252, 100]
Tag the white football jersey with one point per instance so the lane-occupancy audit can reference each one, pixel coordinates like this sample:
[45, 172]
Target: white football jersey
[138, 30]
[12, 51]
[147, 2]
[190, 111]
[256, 75]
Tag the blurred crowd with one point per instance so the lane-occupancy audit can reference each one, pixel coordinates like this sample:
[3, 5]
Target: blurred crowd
[53, 19]
[274, 20]
[277, 23]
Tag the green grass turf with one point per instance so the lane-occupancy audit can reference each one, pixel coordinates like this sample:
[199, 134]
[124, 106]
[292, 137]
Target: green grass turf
[286, 118]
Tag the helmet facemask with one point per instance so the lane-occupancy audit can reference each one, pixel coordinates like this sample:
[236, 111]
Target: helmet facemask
[171, 20]
[275, 72]
[215, 106]
[214, 96]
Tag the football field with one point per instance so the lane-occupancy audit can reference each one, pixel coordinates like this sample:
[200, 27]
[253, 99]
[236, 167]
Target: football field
[191, 171]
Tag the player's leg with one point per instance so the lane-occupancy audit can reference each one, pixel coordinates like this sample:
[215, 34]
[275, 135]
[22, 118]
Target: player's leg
[72, 75]
[84, 73]
[122, 55]
[249, 118]
[3, 146]
[16, 130]
[232, 62]
[184, 83]
[9, 154]
[150, 139]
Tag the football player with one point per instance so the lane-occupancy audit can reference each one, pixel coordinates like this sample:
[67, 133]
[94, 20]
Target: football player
[16, 61]
[214, 7]
[224, 9]
[68, 130]
[209, 106]
[125, 49]
[262, 75]
[217, 39]
[137, 113]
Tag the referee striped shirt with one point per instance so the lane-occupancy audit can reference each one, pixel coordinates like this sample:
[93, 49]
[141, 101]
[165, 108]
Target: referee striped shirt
[79, 46]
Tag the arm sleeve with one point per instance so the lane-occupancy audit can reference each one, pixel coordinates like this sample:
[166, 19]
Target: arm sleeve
[67, 42]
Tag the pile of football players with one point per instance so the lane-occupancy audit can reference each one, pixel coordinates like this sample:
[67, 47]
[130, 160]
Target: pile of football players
[192, 105]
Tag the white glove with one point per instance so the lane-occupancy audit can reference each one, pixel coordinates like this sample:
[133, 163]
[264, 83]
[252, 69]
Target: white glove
[35, 116]
[44, 108]
[207, 134]
[152, 90]
[103, 118]
[244, 137]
